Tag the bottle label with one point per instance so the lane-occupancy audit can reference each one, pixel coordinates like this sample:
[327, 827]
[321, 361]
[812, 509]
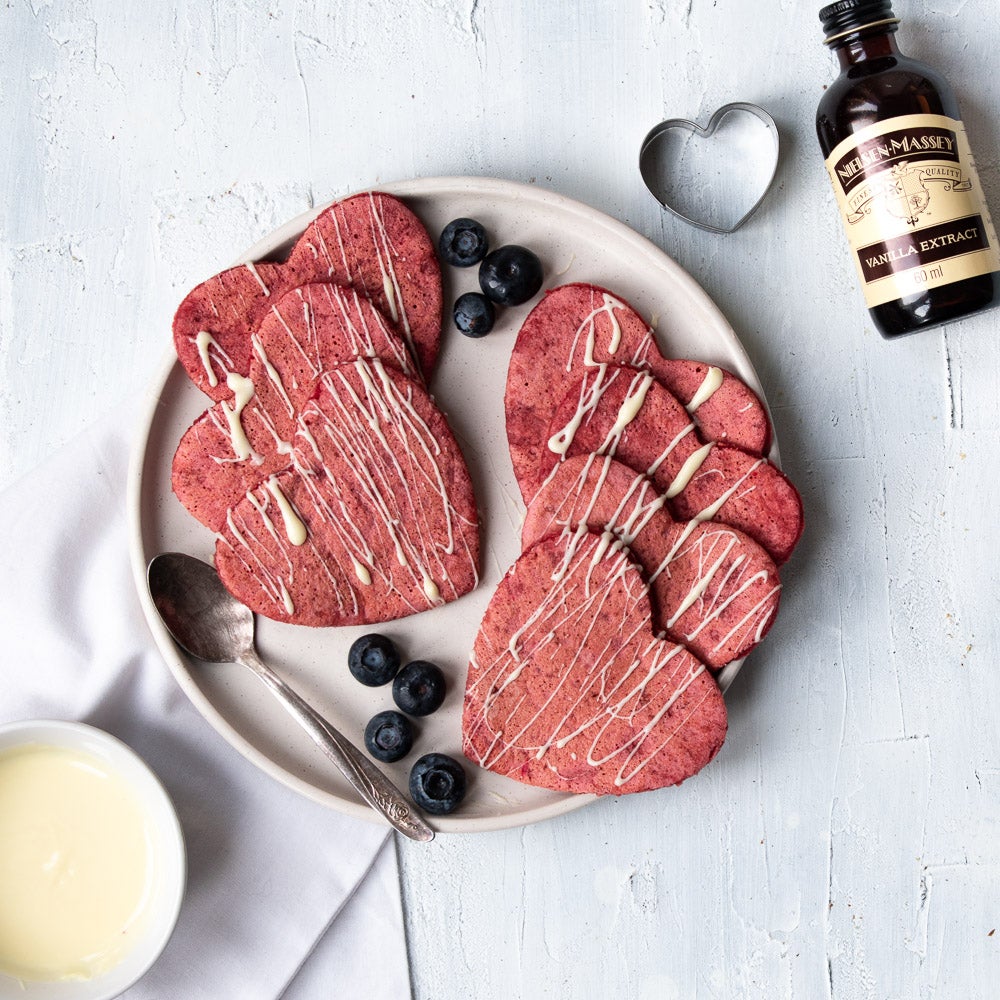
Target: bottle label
[912, 206]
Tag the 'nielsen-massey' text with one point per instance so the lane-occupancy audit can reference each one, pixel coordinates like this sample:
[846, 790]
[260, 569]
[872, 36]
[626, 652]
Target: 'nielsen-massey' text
[913, 145]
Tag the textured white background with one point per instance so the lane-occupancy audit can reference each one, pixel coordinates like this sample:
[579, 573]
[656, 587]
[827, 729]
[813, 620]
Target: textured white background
[846, 843]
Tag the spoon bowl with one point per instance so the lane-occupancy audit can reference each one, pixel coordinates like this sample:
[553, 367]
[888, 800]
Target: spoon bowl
[209, 623]
[202, 616]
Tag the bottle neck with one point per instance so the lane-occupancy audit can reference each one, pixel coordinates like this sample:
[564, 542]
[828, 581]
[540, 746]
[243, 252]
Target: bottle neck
[863, 46]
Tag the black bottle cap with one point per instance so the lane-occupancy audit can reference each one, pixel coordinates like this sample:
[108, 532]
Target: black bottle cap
[849, 16]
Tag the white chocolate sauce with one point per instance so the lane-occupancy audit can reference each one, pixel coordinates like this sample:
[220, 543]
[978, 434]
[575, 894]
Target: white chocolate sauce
[361, 572]
[242, 394]
[631, 405]
[295, 530]
[204, 340]
[76, 869]
[389, 291]
[709, 386]
[688, 470]
[432, 591]
[286, 599]
[260, 281]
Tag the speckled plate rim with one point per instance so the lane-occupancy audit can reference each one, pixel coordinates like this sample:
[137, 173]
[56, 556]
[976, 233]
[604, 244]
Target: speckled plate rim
[541, 200]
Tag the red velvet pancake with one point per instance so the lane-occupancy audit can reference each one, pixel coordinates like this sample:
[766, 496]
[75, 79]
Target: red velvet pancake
[712, 588]
[373, 242]
[569, 689]
[370, 241]
[306, 332]
[374, 518]
[578, 326]
[626, 413]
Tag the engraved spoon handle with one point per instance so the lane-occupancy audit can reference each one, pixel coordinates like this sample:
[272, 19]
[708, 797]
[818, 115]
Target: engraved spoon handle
[366, 779]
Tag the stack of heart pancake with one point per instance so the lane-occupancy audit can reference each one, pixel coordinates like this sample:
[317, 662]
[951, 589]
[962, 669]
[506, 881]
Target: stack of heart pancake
[653, 530]
[335, 486]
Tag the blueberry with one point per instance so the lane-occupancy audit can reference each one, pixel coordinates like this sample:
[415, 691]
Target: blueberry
[474, 314]
[510, 275]
[437, 783]
[373, 659]
[463, 243]
[389, 736]
[418, 688]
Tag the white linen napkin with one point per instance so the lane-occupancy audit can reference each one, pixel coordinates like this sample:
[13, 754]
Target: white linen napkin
[285, 898]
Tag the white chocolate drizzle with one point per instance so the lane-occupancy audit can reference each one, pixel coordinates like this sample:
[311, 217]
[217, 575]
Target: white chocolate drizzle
[204, 340]
[588, 330]
[590, 396]
[592, 388]
[631, 405]
[260, 281]
[272, 373]
[709, 386]
[688, 470]
[242, 389]
[361, 572]
[295, 530]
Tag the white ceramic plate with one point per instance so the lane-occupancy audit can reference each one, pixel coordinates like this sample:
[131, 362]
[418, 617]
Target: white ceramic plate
[575, 243]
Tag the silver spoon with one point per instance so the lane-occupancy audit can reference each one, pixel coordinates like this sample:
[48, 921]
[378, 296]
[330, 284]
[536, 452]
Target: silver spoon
[208, 622]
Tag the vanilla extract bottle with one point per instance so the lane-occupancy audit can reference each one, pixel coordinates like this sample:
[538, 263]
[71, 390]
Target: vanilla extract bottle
[904, 178]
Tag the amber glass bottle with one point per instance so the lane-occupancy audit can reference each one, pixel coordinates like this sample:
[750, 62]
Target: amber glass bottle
[895, 147]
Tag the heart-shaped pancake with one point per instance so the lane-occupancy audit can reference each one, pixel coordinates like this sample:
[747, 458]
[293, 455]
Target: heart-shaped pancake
[569, 689]
[623, 412]
[373, 519]
[712, 588]
[374, 243]
[229, 449]
[212, 326]
[579, 326]
[236, 444]
[370, 241]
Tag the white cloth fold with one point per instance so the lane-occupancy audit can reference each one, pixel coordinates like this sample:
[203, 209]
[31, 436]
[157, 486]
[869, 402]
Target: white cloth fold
[284, 897]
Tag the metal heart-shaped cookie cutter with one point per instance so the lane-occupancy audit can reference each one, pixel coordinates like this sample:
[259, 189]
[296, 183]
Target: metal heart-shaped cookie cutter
[648, 158]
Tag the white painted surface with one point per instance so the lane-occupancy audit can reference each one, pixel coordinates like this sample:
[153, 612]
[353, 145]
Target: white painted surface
[846, 842]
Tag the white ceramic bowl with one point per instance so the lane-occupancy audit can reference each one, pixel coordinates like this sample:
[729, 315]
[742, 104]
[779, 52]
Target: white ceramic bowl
[167, 853]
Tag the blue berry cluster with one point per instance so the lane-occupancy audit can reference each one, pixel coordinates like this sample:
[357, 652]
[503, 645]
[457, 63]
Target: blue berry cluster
[508, 276]
[437, 781]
